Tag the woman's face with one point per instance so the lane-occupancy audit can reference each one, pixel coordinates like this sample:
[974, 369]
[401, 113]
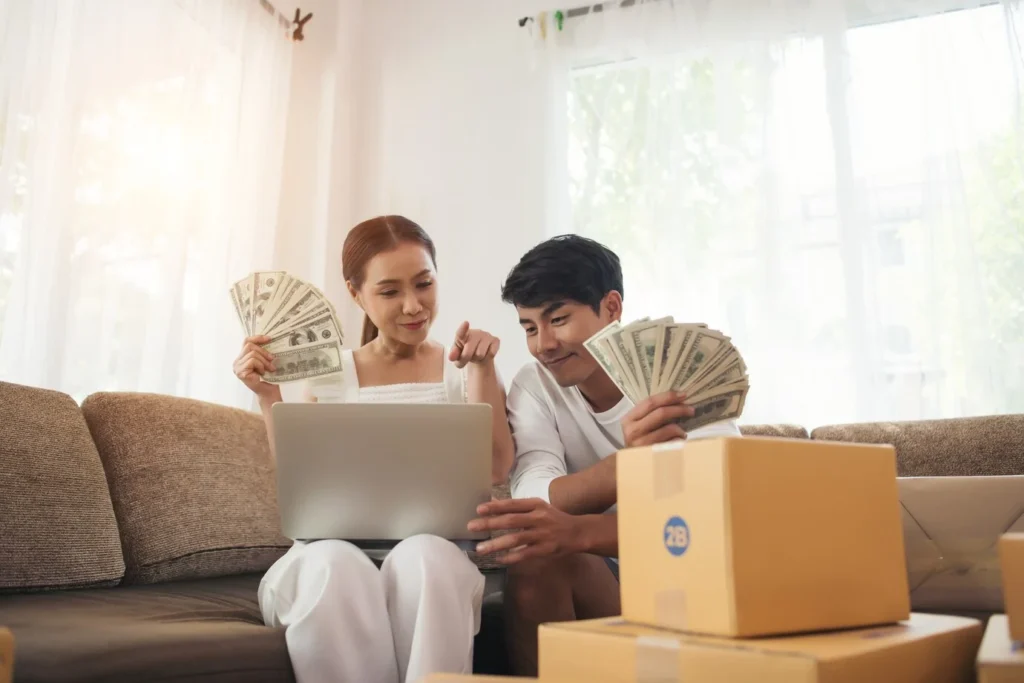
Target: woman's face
[399, 293]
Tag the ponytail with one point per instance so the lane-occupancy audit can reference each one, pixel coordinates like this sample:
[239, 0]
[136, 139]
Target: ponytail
[369, 331]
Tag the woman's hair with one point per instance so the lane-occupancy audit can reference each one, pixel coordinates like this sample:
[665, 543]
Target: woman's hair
[371, 237]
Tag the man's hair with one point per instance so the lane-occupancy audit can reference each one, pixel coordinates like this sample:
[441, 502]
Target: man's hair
[566, 267]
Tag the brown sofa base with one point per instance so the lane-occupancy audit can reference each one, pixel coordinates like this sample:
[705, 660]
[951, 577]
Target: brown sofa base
[209, 630]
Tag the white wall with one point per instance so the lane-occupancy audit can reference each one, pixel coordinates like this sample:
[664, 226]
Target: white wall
[453, 136]
[319, 188]
[431, 109]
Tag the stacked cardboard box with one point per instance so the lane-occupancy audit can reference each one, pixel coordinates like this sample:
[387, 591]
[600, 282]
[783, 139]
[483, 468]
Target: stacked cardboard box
[1011, 560]
[467, 678]
[6, 656]
[776, 558]
[1001, 657]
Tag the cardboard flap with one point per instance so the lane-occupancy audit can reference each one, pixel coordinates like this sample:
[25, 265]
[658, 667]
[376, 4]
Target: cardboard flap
[951, 531]
[997, 648]
[924, 559]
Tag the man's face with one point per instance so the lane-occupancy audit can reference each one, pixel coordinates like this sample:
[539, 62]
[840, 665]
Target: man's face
[555, 334]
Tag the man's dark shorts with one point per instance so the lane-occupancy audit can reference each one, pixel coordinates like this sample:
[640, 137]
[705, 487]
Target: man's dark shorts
[614, 566]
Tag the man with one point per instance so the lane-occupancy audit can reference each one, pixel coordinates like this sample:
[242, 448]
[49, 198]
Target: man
[569, 420]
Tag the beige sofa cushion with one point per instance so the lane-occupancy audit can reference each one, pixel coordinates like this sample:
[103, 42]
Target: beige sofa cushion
[780, 430]
[965, 446]
[56, 522]
[192, 483]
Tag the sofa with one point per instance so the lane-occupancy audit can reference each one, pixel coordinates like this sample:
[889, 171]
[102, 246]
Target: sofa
[136, 527]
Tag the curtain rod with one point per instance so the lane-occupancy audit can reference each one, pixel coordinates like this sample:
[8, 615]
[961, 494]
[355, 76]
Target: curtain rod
[575, 12]
[857, 19]
[285, 22]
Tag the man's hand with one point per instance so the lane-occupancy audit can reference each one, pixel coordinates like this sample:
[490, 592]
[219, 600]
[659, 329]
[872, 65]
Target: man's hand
[653, 420]
[473, 346]
[541, 530]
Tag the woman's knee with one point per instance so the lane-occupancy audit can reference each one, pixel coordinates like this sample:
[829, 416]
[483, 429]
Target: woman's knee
[427, 558]
[321, 575]
[429, 551]
[328, 562]
[335, 553]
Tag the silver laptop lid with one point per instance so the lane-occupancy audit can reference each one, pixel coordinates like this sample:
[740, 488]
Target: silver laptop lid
[375, 473]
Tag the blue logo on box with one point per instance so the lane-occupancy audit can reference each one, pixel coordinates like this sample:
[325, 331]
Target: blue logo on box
[677, 536]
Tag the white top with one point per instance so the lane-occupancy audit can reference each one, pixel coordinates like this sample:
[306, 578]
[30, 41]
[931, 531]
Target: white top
[558, 433]
[344, 387]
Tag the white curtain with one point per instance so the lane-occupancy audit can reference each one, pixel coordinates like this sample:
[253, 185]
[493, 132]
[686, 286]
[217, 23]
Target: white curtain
[140, 167]
[837, 185]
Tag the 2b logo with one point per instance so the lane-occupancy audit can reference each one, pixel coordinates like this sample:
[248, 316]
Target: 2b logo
[677, 536]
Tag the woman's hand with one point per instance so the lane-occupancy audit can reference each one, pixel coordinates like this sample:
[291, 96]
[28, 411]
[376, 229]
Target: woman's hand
[251, 364]
[473, 346]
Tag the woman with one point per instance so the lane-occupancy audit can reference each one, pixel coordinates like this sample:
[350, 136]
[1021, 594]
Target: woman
[346, 621]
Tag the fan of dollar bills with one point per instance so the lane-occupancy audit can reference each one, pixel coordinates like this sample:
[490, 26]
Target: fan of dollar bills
[649, 357]
[305, 336]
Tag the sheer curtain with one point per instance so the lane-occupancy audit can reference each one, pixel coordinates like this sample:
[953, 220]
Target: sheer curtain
[837, 185]
[140, 166]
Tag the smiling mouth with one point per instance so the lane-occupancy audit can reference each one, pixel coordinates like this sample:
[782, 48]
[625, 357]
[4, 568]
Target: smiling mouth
[414, 326]
[558, 361]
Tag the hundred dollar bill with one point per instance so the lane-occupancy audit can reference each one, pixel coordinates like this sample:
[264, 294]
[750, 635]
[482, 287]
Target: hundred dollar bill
[243, 302]
[613, 350]
[733, 373]
[265, 283]
[297, 309]
[643, 342]
[601, 355]
[703, 345]
[724, 406]
[238, 306]
[289, 289]
[723, 358]
[674, 353]
[313, 360]
[320, 329]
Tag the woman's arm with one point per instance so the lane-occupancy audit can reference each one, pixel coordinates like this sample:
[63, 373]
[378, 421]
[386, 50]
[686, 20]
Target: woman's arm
[267, 402]
[265, 405]
[484, 385]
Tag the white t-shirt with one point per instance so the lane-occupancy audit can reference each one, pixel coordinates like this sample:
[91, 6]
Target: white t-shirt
[558, 433]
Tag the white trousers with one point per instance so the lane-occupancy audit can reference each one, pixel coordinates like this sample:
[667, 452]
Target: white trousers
[347, 622]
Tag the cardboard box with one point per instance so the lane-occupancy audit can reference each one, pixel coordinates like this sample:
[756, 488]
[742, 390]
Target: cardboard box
[466, 678]
[1011, 558]
[760, 536]
[951, 529]
[924, 649]
[6, 656]
[1000, 660]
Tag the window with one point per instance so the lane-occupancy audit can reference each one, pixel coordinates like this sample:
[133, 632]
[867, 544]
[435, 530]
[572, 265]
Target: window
[131, 188]
[848, 207]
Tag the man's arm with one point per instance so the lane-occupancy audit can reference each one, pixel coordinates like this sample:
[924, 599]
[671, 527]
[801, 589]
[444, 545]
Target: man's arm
[538, 529]
[589, 491]
[593, 490]
[540, 469]
[599, 534]
[540, 455]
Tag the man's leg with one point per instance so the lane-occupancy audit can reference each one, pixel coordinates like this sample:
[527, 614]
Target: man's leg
[543, 591]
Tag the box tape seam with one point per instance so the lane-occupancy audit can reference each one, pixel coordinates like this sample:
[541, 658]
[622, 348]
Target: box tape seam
[657, 660]
[668, 470]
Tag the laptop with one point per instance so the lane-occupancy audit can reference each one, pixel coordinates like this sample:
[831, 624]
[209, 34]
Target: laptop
[951, 530]
[376, 473]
